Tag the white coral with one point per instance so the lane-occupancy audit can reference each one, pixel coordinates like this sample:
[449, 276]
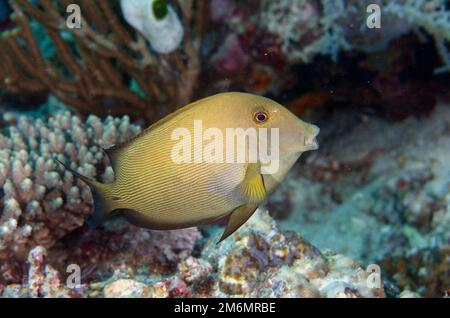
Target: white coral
[37, 194]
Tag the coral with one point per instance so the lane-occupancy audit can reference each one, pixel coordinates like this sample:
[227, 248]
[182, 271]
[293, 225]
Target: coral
[42, 280]
[427, 271]
[297, 23]
[276, 265]
[126, 288]
[433, 16]
[283, 265]
[39, 203]
[125, 250]
[101, 68]
[378, 192]
[308, 28]
[192, 269]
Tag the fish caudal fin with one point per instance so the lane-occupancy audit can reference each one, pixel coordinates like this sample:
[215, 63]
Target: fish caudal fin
[103, 204]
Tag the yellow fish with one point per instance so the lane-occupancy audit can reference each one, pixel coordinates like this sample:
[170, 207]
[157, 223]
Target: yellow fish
[220, 156]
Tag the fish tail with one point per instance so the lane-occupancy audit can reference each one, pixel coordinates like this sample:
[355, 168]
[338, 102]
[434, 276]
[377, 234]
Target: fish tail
[101, 195]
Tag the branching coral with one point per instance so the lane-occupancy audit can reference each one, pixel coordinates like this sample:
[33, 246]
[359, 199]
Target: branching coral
[39, 203]
[102, 67]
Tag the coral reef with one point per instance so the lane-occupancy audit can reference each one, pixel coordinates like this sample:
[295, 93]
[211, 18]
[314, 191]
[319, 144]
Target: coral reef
[307, 28]
[284, 265]
[40, 204]
[277, 265]
[105, 66]
[433, 16]
[383, 189]
[427, 271]
[123, 248]
[42, 280]
[101, 68]
[377, 191]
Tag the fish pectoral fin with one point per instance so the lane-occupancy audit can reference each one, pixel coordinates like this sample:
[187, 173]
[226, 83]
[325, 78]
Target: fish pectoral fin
[252, 187]
[237, 218]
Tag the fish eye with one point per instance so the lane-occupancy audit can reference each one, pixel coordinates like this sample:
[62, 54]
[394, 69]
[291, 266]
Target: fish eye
[261, 117]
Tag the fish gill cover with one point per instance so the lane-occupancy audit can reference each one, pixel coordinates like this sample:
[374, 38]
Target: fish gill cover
[375, 196]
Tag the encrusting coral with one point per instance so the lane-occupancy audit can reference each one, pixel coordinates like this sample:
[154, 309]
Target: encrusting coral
[281, 264]
[103, 67]
[39, 203]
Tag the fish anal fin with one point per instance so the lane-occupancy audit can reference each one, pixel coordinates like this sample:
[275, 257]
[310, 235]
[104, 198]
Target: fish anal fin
[238, 217]
[252, 187]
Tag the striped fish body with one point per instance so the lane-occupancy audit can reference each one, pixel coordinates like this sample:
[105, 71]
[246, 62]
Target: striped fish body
[155, 190]
[162, 194]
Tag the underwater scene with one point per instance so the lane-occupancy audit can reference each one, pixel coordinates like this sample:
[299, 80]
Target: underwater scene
[224, 149]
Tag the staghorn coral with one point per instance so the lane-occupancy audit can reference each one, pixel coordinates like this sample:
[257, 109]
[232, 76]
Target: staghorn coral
[39, 204]
[102, 67]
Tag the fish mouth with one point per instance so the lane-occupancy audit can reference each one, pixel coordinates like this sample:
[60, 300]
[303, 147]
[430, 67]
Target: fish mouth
[311, 142]
[314, 144]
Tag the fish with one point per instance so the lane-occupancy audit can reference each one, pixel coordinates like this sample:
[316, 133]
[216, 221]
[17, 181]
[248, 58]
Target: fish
[200, 164]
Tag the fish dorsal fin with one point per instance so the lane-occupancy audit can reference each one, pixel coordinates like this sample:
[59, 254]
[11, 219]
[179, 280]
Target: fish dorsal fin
[252, 187]
[237, 218]
[113, 151]
[159, 123]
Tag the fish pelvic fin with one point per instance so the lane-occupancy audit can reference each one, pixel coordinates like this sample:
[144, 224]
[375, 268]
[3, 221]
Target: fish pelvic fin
[104, 202]
[252, 187]
[237, 218]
